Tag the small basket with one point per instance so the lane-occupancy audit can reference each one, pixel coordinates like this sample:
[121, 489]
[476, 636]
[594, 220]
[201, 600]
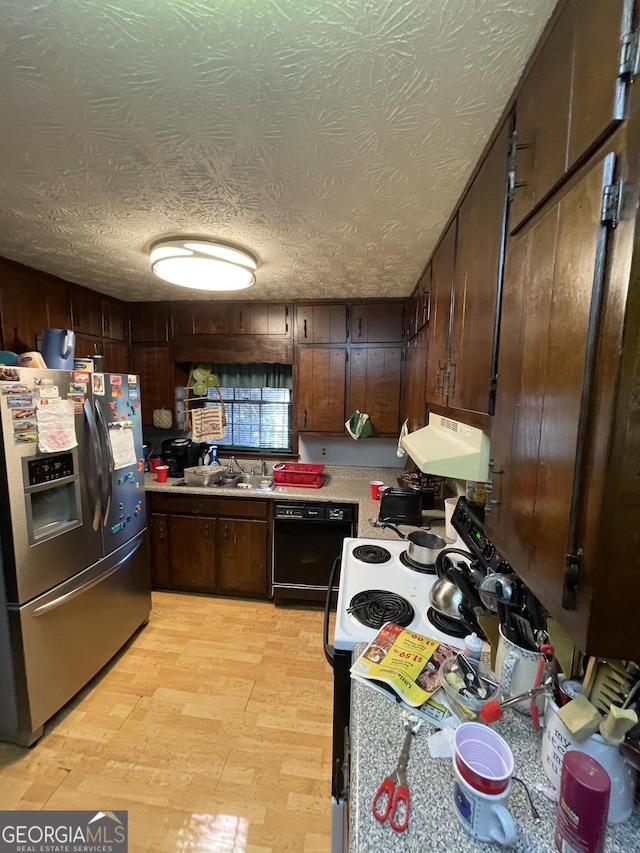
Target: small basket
[297, 474]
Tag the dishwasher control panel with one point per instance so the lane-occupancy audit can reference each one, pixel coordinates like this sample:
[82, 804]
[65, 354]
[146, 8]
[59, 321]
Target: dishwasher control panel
[313, 511]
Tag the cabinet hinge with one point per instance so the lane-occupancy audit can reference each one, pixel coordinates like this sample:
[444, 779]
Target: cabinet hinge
[512, 164]
[573, 564]
[629, 55]
[612, 203]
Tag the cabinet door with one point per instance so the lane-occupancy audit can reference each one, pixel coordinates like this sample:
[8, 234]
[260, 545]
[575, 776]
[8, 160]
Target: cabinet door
[376, 322]
[552, 267]
[149, 322]
[374, 386]
[116, 357]
[86, 308]
[113, 319]
[242, 556]
[442, 268]
[420, 303]
[413, 406]
[88, 347]
[156, 379]
[159, 540]
[321, 324]
[23, 317]
[192, 544]
[320, 389]
[477, 267]
[259, 319]
[182, 318]
[571, 99]
[210, 318]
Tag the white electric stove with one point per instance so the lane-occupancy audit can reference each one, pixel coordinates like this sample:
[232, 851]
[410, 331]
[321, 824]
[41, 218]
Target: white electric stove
[378, 584]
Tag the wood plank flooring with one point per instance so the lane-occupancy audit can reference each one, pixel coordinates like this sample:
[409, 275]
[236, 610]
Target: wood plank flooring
[212, 728]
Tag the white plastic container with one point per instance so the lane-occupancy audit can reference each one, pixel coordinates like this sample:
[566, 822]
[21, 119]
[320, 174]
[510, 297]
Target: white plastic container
[557, 740]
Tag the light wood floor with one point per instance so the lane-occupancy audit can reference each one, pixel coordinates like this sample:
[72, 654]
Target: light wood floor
[212, 742]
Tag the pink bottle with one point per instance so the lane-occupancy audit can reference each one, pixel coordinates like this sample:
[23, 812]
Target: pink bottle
[585, 787]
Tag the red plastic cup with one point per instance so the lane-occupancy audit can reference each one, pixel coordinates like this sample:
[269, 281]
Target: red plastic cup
[374, 485]
[483, 758]
[381, 490]
[162, 471]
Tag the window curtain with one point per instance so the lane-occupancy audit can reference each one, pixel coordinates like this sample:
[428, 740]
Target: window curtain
[254, 375]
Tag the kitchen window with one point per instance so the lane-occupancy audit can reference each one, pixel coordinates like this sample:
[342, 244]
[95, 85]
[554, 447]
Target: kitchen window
[257, 400]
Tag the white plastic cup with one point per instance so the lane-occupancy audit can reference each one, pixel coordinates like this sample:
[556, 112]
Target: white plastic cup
[449, 507]
[483, 758]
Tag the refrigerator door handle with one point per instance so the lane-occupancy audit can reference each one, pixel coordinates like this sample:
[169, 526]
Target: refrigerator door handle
[97, 458]
[110, 465]
[63, 599]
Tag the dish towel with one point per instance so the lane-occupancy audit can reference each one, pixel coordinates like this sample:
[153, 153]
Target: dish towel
[404, 430]
[359, 425]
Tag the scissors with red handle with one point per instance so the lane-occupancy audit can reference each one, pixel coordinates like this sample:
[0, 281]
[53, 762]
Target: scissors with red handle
[392, 797]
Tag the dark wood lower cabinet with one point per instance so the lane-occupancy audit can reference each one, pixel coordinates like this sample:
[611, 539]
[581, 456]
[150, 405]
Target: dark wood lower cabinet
[242, 555]
[210, 545]
[192, 553]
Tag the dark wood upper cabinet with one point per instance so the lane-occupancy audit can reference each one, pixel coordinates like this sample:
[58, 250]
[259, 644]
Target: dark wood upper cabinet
[376, 322]
[414, 381]
[25, 318]
[442, 268]
[156, 373]
[260, 319]
[571, 99]
[149, 322]
[477, 269]
[374, 386]
[320, 390]
[114, 319]
[417, 309]
[321, 324]
[86, 309]
[568, 382]
[182, 314]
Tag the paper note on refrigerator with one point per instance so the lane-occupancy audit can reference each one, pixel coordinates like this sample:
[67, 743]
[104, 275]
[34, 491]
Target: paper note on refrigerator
[56, 425]
[122, 447]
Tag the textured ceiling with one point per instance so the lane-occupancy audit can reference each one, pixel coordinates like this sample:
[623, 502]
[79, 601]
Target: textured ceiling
[330, 137]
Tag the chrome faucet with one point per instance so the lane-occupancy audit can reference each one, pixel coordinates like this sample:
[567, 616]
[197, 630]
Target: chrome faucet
[233, 461]
[264, 468]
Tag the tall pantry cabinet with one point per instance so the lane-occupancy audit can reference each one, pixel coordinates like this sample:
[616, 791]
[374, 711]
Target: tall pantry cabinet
[565, 438]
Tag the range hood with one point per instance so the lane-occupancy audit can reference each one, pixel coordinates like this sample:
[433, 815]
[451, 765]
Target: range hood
[449, 448]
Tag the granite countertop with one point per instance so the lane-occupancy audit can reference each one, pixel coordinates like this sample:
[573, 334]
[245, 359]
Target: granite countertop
[376, 741]
[342, 484]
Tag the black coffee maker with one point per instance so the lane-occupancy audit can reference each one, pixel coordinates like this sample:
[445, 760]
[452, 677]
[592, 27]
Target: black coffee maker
[180, 453]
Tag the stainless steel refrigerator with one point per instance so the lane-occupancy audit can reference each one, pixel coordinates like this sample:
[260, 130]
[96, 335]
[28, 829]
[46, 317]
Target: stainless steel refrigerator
[74, 559]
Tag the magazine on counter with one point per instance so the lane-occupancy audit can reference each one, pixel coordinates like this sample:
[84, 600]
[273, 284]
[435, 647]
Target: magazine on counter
[404, 666]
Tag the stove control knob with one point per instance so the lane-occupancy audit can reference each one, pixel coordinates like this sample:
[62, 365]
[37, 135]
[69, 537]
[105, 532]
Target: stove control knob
[488, 550]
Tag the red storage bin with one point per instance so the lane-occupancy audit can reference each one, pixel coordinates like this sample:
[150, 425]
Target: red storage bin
[298, 474]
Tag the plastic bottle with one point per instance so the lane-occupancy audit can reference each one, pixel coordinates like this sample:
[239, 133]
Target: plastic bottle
[472, 646]
[583, 805]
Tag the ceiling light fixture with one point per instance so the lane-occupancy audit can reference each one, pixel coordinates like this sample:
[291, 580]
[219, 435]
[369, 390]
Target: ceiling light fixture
[203, 264]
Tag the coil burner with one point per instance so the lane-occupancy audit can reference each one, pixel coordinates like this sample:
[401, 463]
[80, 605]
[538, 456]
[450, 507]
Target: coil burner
[371, 554]
[374, 607]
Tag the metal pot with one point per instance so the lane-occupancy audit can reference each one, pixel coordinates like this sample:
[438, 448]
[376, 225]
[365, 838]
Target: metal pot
[424, 547]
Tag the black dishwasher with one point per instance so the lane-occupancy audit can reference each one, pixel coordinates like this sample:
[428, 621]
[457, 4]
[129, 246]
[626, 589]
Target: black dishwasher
[307, 537]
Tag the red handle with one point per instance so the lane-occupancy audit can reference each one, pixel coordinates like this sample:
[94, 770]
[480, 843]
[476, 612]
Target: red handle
[385, 790]
[400, 811]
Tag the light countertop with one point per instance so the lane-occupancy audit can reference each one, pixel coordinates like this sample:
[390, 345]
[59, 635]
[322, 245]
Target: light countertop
[342, 484]
[376, 740]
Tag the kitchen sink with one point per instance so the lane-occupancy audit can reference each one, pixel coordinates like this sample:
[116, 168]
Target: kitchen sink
[255, 482]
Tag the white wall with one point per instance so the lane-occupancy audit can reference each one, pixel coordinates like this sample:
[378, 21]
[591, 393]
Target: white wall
[364, 452]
